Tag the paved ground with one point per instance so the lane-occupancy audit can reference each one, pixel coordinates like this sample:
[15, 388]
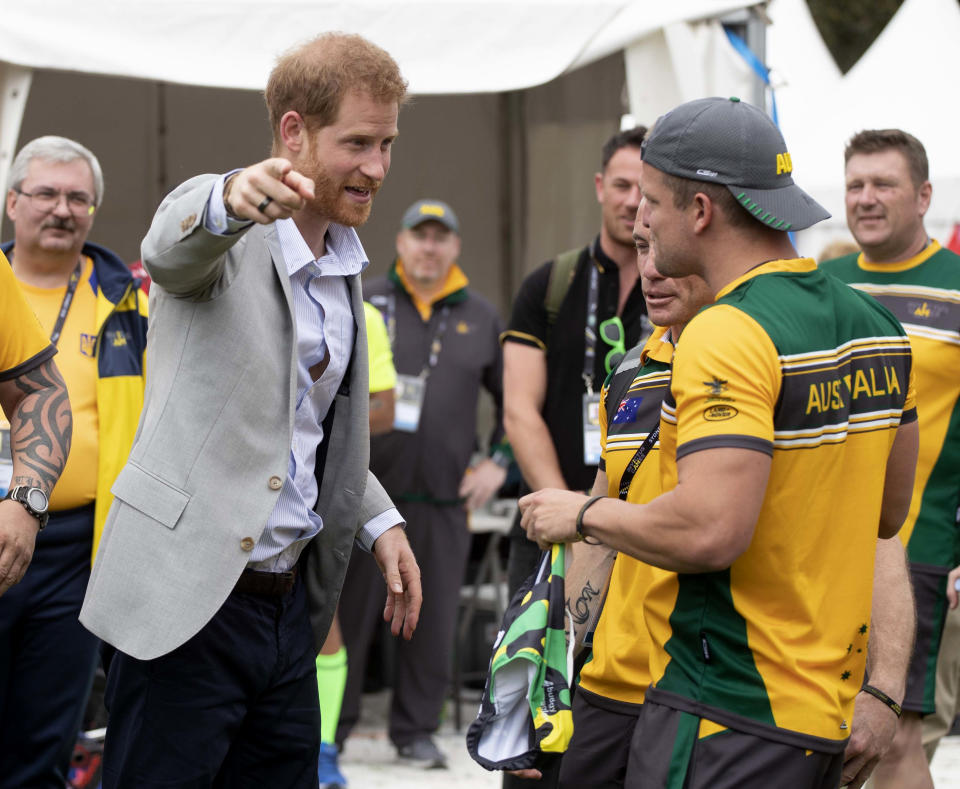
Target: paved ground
[369, 760]
[946, 764]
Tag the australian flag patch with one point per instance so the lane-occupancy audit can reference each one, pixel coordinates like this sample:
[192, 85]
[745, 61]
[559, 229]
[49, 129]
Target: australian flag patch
[627, 412]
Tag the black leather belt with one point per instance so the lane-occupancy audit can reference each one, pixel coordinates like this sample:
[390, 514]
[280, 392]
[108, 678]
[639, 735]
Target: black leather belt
[266, 584]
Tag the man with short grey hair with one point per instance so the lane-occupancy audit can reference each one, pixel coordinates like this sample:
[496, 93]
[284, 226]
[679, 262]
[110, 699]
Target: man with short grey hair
[95, 314]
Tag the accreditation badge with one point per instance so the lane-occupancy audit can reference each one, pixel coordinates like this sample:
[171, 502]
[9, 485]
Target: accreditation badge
[408, 402]
[591, 429]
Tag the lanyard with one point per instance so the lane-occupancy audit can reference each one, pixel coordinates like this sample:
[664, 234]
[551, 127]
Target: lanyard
[638, 457]
[67, 301]
[590, 330]
[435, 344]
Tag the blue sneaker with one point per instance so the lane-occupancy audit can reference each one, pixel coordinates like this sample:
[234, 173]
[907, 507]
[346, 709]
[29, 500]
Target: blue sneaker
[328, 771]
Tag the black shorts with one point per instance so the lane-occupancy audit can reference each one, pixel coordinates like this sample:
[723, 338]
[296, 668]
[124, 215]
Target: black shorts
[598, 751]
[930, 596]
[673, 750]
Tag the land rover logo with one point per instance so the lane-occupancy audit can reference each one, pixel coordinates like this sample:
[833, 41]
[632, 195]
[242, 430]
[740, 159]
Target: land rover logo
[717, 413]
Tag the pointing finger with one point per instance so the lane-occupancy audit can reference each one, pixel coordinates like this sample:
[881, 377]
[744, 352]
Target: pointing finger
[300, 184]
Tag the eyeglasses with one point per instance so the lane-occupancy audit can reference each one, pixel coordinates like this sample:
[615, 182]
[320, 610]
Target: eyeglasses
[46, 200]
[612, 333]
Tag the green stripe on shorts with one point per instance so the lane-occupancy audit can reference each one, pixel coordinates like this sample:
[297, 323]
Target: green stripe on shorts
[686, 736]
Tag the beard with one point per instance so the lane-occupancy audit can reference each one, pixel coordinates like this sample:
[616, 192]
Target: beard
[331, 202]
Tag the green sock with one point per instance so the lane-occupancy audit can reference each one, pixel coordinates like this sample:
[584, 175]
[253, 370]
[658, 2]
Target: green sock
[331, 680]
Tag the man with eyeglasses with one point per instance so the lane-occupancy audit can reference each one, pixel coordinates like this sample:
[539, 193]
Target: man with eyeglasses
[96, 316]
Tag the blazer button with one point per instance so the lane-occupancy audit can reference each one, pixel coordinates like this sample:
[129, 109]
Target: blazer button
[247, 544]
[275, 483]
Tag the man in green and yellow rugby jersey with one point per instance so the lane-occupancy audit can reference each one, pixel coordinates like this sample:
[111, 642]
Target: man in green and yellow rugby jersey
[788, 447]
[887, 195]
[612, 685]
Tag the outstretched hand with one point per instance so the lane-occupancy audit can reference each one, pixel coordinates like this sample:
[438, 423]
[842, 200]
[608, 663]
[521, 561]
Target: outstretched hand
[245, 192]
[402, 576]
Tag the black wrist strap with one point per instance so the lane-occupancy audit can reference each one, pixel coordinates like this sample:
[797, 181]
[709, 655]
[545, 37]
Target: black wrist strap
[586, 505]
[879, 694]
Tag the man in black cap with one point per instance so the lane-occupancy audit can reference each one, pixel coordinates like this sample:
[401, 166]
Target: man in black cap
[444, 338]
[788, 443]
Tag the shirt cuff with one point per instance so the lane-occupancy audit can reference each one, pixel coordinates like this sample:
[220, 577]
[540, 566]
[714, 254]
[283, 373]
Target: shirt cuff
[377, 525]
[215, 219]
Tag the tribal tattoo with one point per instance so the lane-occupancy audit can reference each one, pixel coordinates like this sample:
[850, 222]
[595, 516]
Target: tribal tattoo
[41, 426]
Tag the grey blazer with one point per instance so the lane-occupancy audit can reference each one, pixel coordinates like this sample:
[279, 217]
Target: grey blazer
[213, 443]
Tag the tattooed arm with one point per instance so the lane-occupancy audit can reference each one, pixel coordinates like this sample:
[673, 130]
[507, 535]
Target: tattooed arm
[41, 425]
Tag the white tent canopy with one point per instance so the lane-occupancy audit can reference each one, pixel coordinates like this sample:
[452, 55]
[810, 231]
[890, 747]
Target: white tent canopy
[674, 52]
[442, 46]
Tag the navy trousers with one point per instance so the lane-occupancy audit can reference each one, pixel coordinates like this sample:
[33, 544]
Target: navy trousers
[47, 658]
[235, 706]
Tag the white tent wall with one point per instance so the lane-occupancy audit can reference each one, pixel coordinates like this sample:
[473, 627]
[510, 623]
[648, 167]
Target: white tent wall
[902, 81]
[702, 63]
[699, 62]
[804, 76]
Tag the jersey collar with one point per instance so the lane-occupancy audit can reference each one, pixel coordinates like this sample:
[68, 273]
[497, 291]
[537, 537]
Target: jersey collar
[901, 265]
[783, 266]
[658, 347]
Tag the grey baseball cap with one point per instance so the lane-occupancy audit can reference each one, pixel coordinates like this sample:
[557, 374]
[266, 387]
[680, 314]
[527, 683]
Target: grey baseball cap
[431, 211]
[730, 142]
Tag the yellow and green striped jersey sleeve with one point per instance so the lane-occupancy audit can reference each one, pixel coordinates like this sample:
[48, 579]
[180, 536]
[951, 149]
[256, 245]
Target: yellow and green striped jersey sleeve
[23, 343]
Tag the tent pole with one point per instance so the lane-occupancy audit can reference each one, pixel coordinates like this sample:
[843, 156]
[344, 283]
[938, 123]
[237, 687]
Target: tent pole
[512, 202]
[15, 86]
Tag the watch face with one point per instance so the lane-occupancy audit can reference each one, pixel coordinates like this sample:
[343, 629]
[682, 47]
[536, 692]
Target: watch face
[37, 499]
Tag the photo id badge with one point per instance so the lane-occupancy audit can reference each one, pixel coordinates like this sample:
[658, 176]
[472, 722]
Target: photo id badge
[408, 402]
[591, 429]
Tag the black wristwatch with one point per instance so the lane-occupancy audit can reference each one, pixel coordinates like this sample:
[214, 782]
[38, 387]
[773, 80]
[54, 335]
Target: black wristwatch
[34, 501]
